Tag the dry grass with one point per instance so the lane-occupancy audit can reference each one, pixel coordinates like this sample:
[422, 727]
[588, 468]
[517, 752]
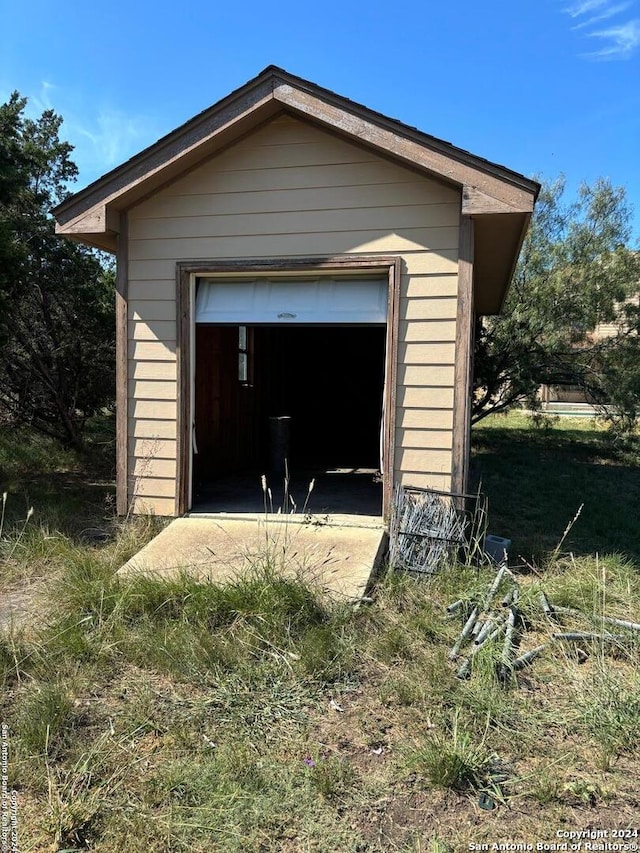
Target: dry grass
[178, 716]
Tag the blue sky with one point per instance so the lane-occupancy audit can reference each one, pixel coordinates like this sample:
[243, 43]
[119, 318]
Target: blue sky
[541, 86]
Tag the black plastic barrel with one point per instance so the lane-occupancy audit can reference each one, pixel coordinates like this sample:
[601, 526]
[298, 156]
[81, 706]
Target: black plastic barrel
[279, 442]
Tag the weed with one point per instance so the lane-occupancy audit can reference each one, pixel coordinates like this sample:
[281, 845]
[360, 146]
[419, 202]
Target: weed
[401, 691]
[452, 760]
[44, 718]
[594, 585]
[547, 788]
[437, 845]
[394, 645]
[13, 652]
[586, 791]
[332, 777]
[325, 652]
[609, 705]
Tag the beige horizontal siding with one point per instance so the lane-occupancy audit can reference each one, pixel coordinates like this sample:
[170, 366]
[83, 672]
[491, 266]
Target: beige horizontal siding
[256, 180]
[438, 353]
[425, 398]
[153, 506]
[146, 275]
[289, 132]
[444, 262]
[153, 448]
[425, 286]
[152, 350]
[165, 370]
[606, 330]
[373, 196]
[150, 429]
[155, 288]
[436, 216]
[325, 150]
[425, 438]
[429, 330]
[155, 330]
[292, 190]
[429, 308]
[154, 487]
[322, 243]
[425, 375]
[158, 309]
[152, 467]
[619, 324]
[153, 409]
[422, 480]
[423, 418]
[149, 273]
[152, 390]
[431, 461]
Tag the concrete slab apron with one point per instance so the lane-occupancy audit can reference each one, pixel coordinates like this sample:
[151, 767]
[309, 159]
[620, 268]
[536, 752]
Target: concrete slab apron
[339, 555]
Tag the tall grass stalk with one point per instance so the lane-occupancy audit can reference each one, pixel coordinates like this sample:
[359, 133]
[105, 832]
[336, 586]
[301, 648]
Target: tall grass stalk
[20, 535]
[566, 532]
[4, 506]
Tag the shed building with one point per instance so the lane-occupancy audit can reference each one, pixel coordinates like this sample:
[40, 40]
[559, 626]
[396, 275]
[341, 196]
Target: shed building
[289, 253]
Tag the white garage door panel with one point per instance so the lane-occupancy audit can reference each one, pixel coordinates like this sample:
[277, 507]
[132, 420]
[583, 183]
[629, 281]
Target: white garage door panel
[323, 300]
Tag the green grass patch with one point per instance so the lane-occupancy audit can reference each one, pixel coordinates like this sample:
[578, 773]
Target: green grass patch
[453, 759]
[536, 478]
[70, 492]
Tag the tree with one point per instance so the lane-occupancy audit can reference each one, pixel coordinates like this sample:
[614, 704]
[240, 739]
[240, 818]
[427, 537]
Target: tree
[612, 380]
[56, 297]
[575, 271]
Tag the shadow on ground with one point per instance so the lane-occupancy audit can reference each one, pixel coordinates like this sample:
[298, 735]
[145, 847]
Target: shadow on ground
[536, 479]
[63, 502]
[69, 491]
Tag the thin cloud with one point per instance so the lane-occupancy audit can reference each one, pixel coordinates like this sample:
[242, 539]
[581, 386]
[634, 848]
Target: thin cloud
[112, 136]
[620, 39]
[585, 6]
[611, 12]
[36, 104]
[101, 139]
[42, 100]
[623, 41]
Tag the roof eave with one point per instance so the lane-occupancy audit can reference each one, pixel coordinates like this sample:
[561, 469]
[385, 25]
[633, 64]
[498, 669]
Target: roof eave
[175, 146]
[498, 240]
[274, 90]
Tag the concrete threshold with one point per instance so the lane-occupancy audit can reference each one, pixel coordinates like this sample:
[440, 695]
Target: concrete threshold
[339, 554]
[330, 520]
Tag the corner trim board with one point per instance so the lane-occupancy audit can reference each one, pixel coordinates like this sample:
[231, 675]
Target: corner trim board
[122, 355]
[463, 360]
[184, 415]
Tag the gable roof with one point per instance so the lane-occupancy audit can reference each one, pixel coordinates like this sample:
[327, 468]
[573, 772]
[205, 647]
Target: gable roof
[500, 199]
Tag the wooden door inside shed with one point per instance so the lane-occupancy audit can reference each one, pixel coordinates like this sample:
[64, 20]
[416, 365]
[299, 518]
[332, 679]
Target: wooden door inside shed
[224, 416]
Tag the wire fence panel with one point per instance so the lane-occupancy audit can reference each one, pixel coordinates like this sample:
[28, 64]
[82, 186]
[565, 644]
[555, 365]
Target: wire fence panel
[430, 528]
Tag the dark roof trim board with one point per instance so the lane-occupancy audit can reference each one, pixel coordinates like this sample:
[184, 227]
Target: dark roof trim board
[487, 189]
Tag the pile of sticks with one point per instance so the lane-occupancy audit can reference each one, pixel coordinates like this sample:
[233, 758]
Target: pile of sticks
[485, 623]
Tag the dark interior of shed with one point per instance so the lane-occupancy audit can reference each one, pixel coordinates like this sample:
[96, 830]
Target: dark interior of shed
[324, 383]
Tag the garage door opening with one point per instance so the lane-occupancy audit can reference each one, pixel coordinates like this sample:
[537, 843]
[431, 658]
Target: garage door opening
[325, 382]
